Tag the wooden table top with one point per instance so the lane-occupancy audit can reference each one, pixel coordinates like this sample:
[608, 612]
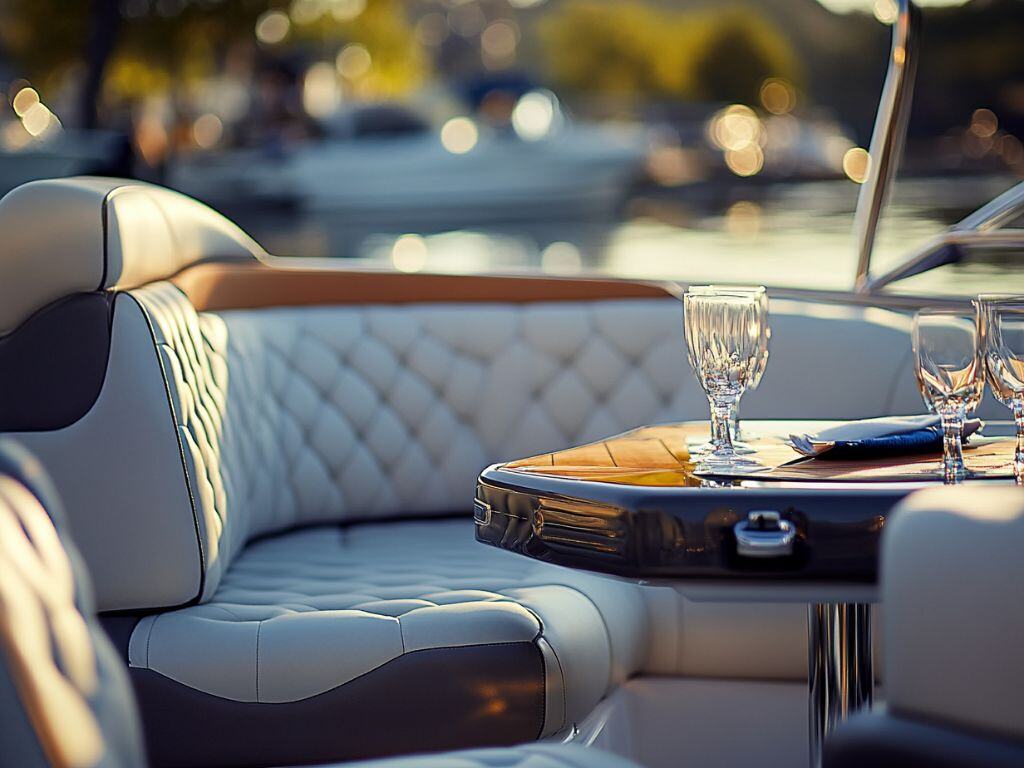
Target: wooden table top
[660, 456]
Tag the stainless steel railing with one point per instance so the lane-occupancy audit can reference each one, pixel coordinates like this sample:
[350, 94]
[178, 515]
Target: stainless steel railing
[888, 137]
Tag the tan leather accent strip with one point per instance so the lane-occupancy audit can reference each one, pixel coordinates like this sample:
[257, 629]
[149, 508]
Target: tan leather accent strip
[214, 287]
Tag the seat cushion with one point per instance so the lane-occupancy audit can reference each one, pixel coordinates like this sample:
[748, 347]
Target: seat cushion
[529, 756]
[330, 617]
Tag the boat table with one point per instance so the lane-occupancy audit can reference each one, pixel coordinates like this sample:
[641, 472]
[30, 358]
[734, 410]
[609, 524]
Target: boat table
[632, 507]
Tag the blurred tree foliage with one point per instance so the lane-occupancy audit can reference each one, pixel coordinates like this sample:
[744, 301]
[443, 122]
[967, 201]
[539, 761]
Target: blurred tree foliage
[642, 50]
[704, 50]
[166, 45]
[399, 64]
[157, 42]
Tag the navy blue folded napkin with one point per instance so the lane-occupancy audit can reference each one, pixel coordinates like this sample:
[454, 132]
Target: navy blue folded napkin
[875, 438]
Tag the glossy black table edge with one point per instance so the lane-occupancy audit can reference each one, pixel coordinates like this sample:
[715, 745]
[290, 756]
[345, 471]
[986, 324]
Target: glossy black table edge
[683, 532]
[686, 535]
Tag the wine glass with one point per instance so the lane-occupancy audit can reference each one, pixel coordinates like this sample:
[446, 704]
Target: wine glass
[1004, 359]
[761, 294]
[950, 375]
[723, 341]
[762, 358]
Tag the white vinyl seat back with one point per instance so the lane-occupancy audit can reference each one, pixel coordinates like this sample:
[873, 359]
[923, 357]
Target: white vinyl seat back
[952, 572]
[65, 700]
[64, 236]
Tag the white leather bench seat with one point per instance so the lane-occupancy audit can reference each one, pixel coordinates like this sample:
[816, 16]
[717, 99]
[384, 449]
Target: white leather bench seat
[230, 414]
[305, 612]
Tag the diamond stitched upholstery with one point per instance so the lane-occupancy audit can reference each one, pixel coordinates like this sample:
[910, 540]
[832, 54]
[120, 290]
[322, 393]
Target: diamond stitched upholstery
[302, 613]
[299, 415]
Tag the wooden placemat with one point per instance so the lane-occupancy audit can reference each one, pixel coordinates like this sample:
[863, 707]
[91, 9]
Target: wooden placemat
[659, 456]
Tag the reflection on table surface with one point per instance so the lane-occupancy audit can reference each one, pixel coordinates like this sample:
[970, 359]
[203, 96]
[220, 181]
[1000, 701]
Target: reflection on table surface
[659, 456]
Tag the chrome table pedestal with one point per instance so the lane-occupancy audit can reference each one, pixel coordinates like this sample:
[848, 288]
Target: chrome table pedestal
[840, 675]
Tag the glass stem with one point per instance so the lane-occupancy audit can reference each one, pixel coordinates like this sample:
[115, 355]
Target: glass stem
[952, 416]
[721, 413]
[1018, 456]
[734, 419]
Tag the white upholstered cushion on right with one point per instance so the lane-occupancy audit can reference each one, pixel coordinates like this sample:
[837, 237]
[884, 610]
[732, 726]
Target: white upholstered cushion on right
[527, 756]
[952, 574]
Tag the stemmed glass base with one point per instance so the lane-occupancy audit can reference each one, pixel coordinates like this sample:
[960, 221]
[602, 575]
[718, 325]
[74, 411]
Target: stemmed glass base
[954, 471]
[720, 455]
[739, 446]
[1018, 455]
[728, 464]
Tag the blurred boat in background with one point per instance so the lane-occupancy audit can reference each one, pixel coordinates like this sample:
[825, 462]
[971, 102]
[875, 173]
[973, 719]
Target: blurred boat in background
[381, 160]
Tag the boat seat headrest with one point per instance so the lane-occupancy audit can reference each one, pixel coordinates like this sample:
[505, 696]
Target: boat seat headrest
[78, 234]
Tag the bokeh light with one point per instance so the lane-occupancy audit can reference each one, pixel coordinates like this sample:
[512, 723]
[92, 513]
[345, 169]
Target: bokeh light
[499, 40]
[353, 61]
[409, 253]
[347, 10]
[534, 115]
[984, 123]
[743, 220]
[24, 100]
[1011, 149]
[307, 11]
[740, 134]
[886, 11]
[207, 130]
[747, 161]
[459, 135]
[321, 94]
[735, 128]
[857, 164]
[561, 258]
[272, 27]
[37, 119]
[778, 96]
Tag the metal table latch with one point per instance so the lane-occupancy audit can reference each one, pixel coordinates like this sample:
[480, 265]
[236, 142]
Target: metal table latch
[481, 512]
[764, 534]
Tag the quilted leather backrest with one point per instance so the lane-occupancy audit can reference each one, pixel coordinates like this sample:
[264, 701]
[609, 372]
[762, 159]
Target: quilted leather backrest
[65, 699]
[298, 415]
[301, 415]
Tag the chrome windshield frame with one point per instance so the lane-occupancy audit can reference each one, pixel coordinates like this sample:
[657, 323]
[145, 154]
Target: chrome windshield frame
[982, 229]
[888, 136]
